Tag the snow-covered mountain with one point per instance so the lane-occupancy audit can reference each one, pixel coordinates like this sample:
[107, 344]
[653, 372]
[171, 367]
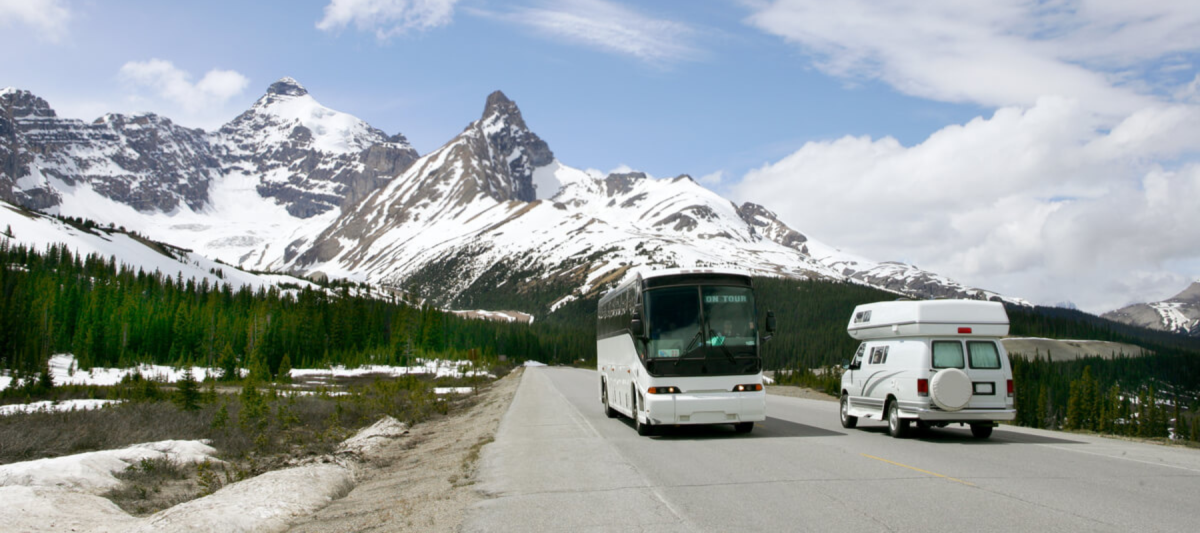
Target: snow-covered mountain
[1178, 314]
[19, 226]
[253, 193]
[494, 208]
[292, 185]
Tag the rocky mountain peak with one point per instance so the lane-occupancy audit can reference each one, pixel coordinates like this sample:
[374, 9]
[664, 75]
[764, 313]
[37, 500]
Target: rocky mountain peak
[287, 86]
[1189, 295]
[622, 182]
[513, 150]
[24, 104]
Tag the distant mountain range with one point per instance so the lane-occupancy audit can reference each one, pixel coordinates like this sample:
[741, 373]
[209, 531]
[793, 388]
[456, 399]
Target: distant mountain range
[1178, 314]
[292, 186]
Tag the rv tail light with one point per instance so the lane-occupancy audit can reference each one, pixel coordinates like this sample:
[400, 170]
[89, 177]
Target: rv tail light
[1010, 388]
[964, 331]
[663, 390]
[749, 387]
[923, 387]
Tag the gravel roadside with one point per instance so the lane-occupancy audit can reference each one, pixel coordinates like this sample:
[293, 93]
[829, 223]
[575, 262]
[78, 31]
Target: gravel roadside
[799, 392]
[424, 482]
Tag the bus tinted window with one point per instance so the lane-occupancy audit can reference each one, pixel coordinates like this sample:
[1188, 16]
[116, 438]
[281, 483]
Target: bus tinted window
[674, 321]
[730, 315]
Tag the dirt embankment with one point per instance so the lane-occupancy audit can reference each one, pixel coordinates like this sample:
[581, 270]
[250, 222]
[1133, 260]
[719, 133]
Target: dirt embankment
[424, 483]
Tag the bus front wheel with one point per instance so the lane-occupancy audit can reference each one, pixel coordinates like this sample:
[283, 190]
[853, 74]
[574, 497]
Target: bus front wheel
[608, 410]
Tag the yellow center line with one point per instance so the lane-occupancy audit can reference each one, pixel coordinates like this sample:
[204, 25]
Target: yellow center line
[956, 480]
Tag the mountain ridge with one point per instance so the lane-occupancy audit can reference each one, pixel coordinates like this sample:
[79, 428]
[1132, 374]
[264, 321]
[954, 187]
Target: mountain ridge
[290, 185]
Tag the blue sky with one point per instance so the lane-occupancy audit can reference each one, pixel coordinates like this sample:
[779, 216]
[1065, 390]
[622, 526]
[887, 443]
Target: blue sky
[1040, 149]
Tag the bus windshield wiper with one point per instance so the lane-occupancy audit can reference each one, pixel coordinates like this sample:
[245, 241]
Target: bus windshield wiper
[696, 338]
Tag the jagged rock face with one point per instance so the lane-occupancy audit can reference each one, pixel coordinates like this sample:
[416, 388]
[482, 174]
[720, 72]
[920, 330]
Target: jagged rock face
[514, 150]
[144, 161]
[306, 156]
[769, 226]
[1178, 314]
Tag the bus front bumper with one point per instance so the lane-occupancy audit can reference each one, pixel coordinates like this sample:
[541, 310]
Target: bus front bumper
[706, 408]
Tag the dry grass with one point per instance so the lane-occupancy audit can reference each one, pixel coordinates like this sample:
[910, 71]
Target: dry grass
[253, 433]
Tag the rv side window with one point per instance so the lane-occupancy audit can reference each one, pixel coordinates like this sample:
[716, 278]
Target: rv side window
[983, 354]
[879, 355]
[947, 354]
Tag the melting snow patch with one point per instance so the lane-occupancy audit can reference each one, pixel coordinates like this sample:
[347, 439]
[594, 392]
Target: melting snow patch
[453, 390]
[534, 363]
[92, 472]
[67, 405]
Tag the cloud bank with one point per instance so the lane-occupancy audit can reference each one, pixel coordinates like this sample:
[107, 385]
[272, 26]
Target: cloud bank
[1081, 185]
[202, 101]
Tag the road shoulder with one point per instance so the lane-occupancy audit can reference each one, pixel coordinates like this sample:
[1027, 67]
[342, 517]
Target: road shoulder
[425, 482]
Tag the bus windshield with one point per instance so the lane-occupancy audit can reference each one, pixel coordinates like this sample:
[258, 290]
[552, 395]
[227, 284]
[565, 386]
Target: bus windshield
[684, 320]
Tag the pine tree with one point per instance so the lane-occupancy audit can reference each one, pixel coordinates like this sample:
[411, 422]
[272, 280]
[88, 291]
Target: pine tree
[45, 379]
[221, 418]
[187, 392]
[285, 370]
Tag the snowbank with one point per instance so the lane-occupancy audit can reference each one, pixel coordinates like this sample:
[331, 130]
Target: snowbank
[534, 363]
[92, 472]
[368, 441]
[437, 367]
[65, 405]
[59, 494]
[269, 502]
[453, 390]
[64, 371]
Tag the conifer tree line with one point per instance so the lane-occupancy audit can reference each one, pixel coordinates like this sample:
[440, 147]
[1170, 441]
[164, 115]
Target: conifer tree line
[110, 315]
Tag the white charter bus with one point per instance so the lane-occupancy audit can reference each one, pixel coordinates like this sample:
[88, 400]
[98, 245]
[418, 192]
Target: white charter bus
[681, 347]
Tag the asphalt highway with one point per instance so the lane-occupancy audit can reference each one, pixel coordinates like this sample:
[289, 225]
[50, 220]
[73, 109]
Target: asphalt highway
[558, 464]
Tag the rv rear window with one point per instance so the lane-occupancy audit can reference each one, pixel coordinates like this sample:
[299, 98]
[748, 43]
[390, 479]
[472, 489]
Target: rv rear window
[947, 354]
[983, 354]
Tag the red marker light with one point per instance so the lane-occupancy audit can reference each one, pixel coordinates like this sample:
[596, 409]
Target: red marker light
[964, 331]
[1010, 388]
[923, 387]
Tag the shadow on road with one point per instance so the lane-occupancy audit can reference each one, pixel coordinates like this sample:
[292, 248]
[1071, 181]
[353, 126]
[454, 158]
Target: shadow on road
[956, 435]
[771, 428]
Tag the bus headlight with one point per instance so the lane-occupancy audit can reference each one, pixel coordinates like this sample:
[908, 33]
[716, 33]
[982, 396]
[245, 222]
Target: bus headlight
[748, 388]
[663, 390]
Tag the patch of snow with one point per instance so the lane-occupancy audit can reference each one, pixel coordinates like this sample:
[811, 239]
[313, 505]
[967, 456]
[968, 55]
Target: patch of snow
[370, 440]
[453, 390]
[534, 364]
[93, 472]
[47, 406]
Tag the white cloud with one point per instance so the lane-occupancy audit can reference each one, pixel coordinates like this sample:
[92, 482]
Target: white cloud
[999, 53]
[48, 18]
[1043, 202]
[713, 178]
[387, 18]
[608, 27]
[173, 86]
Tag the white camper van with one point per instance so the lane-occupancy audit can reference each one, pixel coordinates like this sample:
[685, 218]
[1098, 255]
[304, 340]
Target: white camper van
[932, 362]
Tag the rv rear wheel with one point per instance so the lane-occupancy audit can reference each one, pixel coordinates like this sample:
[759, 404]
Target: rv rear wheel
[897, 427]
[743, 427]
[848, 422]
[981, 431]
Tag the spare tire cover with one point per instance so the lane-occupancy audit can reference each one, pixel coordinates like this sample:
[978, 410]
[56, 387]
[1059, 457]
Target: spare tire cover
[950, 389]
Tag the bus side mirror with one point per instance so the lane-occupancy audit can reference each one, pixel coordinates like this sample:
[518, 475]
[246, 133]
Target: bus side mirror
[636, 328]
[770, 322]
